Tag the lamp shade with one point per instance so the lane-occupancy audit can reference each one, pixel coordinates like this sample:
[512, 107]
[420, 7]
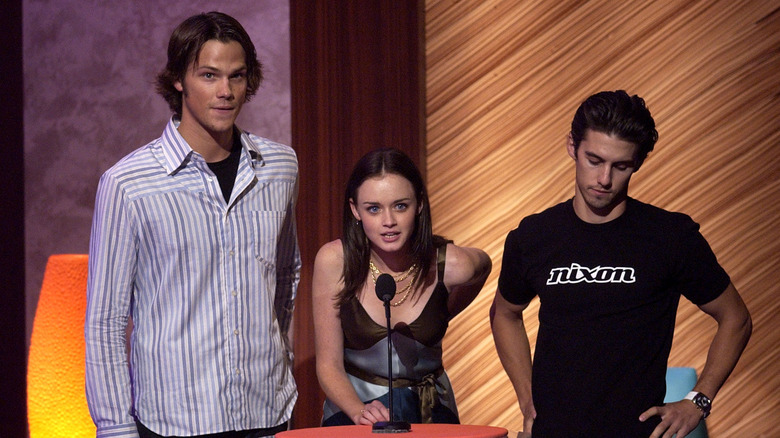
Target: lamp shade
[56, 402]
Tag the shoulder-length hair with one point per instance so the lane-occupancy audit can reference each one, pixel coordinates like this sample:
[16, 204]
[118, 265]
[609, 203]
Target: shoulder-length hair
[354, 241]
[186, 43]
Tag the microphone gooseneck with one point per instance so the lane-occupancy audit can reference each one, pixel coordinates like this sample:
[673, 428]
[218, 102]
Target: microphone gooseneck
[385, 291]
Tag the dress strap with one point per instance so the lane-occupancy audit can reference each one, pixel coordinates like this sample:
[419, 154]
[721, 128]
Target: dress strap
[441, 257]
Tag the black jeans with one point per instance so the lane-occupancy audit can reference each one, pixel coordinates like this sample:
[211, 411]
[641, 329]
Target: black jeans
[143, 432]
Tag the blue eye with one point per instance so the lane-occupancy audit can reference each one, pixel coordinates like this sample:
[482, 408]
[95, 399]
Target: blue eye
[401, 206]
[373, 209]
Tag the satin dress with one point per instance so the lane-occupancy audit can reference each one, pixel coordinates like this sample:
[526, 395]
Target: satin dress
[422, 391]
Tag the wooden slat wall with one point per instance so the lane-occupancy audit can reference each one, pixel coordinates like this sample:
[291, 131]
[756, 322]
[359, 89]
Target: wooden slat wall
[503, 81]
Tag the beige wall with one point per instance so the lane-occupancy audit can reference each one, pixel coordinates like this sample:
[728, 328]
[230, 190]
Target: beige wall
[503, 81]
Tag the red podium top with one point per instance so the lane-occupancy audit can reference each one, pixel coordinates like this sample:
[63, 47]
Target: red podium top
[418, 431]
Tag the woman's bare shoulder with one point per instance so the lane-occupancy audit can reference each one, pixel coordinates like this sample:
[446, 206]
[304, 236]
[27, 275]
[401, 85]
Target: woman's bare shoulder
[464, 263]
[331, 254]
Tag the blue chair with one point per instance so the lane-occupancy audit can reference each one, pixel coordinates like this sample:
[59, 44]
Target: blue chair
[679, 382]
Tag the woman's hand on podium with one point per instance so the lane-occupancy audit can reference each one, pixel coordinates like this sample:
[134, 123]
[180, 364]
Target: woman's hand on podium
[371, 413]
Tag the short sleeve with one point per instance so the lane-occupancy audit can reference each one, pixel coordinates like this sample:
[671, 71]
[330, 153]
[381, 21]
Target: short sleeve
[512, 282]
[701, 278]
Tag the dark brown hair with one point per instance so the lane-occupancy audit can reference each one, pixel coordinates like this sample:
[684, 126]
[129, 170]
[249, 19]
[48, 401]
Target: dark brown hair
[184, 47]
[616, 113]
[354, 241]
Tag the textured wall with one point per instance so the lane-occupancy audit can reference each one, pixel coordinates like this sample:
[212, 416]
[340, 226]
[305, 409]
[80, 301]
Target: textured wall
[503, 81]
[89, 69]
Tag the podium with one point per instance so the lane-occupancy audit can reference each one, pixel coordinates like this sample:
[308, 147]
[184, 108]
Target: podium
[418, 431]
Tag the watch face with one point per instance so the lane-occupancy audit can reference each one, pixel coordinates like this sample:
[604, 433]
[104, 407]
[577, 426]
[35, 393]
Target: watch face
[703, 402]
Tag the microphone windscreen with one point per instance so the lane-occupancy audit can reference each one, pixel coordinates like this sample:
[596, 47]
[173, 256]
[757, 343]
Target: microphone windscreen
[385, 287]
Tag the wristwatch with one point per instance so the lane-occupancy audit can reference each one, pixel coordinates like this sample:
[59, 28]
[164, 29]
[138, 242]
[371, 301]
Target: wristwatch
[701, 401]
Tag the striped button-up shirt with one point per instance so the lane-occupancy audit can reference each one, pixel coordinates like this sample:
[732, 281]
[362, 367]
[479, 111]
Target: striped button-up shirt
[209, 285]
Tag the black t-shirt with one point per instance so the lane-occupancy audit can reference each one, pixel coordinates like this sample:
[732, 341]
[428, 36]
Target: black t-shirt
[608, 300]
[227, 169]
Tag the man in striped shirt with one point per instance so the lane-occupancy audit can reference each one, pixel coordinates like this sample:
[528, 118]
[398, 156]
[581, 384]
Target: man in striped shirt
[194, 246]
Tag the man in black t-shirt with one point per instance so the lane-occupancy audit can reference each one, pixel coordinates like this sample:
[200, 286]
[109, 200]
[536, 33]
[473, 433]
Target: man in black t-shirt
[609, 272]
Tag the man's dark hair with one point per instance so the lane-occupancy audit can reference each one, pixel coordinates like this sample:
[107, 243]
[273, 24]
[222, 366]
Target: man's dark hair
[616, 113]
[186, 43]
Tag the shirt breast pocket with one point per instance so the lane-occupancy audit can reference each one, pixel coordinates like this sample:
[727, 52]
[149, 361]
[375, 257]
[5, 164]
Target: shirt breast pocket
[268, 226]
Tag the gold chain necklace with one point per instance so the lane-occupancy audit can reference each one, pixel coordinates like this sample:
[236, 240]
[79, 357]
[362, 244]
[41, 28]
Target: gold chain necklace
[375, 272]
[405, 291]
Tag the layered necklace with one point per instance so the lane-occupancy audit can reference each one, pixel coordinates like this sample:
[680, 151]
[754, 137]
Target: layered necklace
[413, 271]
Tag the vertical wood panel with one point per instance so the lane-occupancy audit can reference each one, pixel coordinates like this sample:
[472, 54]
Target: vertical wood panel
[503, 81]
[13, 346]
[356, 85]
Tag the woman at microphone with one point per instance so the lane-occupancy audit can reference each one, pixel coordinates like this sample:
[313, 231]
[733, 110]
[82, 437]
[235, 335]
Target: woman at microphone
[387, 230]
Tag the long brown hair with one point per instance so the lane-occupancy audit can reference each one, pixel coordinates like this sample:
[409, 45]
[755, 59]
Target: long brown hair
[354, 241]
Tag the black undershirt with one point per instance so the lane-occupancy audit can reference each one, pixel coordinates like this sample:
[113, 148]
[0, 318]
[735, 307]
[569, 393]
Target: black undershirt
[227, 169]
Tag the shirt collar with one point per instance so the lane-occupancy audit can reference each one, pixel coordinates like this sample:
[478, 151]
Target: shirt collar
[177, 152]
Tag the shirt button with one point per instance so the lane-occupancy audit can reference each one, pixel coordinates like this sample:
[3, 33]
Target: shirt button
[235, 332]
[232, 253]
[234, 293]
[238, 371]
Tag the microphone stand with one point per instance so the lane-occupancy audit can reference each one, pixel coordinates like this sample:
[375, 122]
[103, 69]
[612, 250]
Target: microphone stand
[386, 296]
[389, 359]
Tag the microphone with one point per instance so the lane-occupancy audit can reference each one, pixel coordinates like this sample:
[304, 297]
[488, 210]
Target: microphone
[385, 291]
[385, 287]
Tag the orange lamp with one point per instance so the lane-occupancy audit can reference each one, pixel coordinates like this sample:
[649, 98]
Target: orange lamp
[56, 403]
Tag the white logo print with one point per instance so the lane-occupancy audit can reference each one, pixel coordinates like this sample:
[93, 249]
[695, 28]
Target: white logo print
[600, 274]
